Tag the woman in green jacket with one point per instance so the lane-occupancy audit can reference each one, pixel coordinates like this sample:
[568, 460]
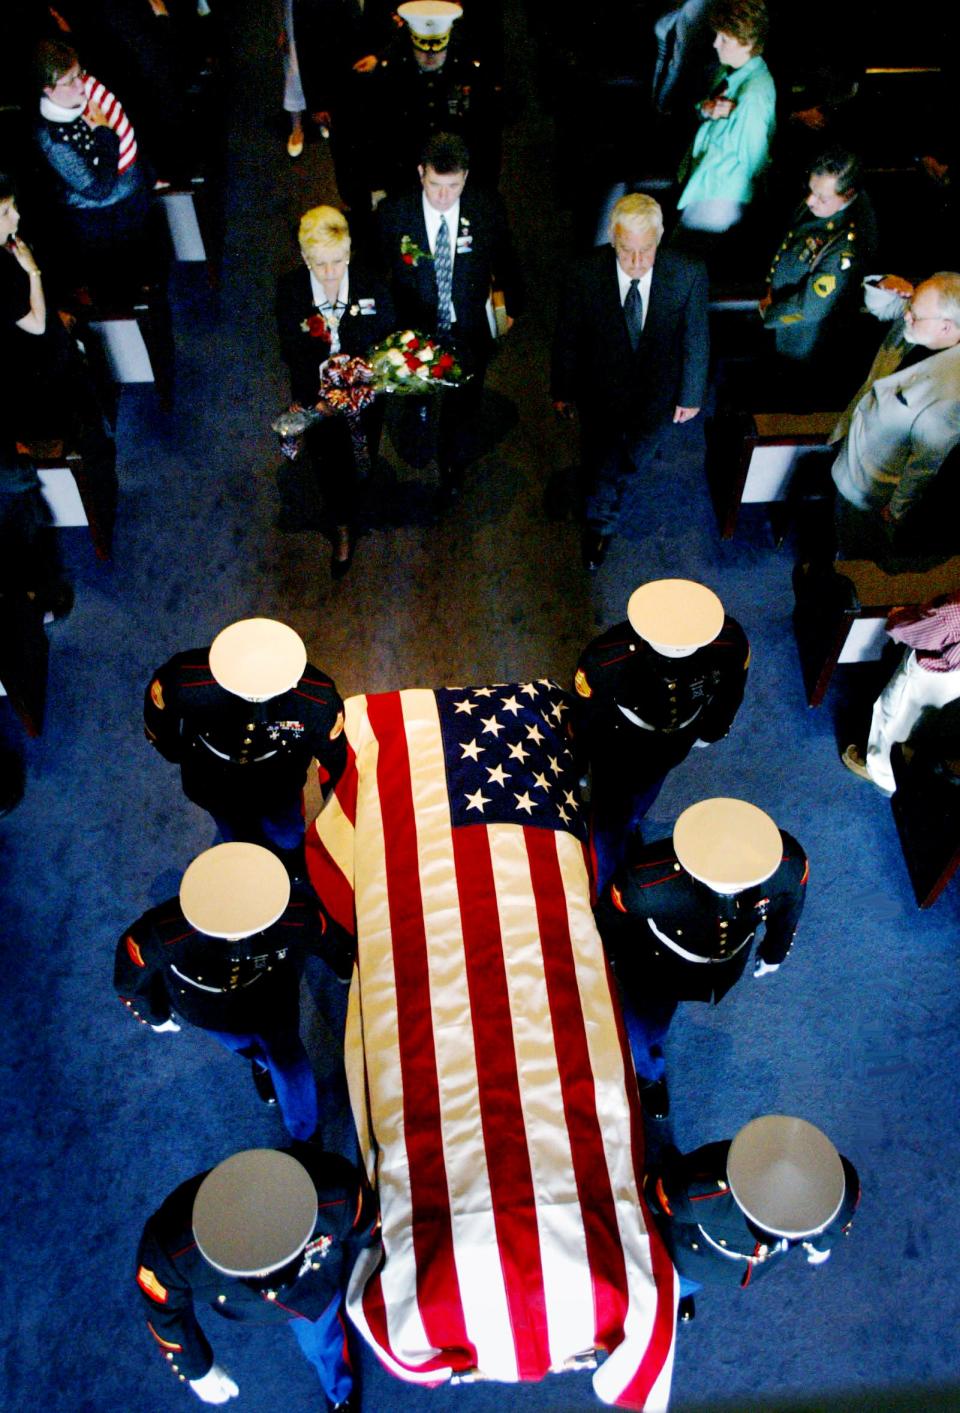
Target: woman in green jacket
[731, 146]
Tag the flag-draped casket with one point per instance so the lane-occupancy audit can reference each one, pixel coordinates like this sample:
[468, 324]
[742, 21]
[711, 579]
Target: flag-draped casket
[489, 1074]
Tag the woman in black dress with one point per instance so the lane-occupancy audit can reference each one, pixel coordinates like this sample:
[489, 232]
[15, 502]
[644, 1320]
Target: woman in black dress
[330, 306]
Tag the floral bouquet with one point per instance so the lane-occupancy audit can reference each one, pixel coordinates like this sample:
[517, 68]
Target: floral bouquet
[347, 387]
[411, 362]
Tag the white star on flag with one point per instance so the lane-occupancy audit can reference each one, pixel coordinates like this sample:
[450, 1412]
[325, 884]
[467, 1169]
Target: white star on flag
[510, 704]
[534, 733]
[476, 801]
[541, 780]
[465, 705]
[491, 726]
[497, 775]
[517, 752]
[524, 802]
[471, 749]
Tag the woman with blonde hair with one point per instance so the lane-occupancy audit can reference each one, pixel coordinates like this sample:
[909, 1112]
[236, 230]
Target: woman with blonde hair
[328, 306]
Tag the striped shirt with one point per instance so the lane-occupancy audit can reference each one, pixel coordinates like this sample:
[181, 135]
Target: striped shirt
[116, 119]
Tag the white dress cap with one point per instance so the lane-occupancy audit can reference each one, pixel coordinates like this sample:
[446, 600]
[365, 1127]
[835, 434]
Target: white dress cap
[672, 614]
[257, 658]
[254, 1212]
[429, 18]
[786, 1176]
[727, 844]
[234, 890]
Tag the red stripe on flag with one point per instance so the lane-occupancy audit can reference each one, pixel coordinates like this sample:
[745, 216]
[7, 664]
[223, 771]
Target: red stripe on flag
[346, 787]
[504, 1130]
[326, 876]
[329, 884]
[661, 1338]
[608, 1271]
[438, 1286]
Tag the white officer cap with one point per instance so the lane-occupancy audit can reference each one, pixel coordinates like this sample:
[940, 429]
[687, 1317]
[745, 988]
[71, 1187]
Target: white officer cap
[727, 844]
[429, 22]
[234, 890]
[786, 1176]
[254, 1212]
[257, 658]
[675, 616]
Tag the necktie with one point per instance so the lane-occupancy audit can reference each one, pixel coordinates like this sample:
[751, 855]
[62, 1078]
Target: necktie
[633, 313]
[443, 266]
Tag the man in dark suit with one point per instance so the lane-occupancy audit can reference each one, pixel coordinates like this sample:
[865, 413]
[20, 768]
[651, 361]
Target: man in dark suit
[630, 352]
[445, 250]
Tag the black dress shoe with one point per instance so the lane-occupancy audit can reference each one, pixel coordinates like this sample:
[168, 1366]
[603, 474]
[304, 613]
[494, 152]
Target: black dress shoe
[263, 1083]
[686, 1310]
[655, 1099]
[342, 557]
[593, 549]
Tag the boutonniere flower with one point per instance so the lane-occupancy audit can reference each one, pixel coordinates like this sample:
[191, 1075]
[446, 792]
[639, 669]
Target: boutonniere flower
[354, 310]
[410, 252]
[316, 327]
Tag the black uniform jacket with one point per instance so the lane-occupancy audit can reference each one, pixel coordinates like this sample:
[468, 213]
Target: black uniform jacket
[174, 1278]
[268, 745]
[702, 939]
[367, 319]
[688, 698]
[405, 105]
[484, 258]
[618, 390]
[163, 964]
[708, 1235]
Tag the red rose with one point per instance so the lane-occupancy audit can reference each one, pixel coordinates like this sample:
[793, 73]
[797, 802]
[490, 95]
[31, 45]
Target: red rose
[436, 371]
[412, 363]
[414, 343]
[407, 259]
[317, 327]
[444, 362]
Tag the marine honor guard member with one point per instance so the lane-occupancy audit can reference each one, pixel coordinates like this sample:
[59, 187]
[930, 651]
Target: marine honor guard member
[679, 918]
[267, 1237]
[645, 692]
[243, 719]
[425, 83]
[227, 956]
[730, 1212]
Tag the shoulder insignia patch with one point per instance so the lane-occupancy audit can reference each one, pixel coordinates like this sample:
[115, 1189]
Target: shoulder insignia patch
[581, 685]
[337, 727]
[134, 953]
[824, 285]
[156, 694]
[149, 1284]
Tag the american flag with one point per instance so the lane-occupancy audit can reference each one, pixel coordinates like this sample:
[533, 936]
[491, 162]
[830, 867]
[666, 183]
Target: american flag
[494, 1096]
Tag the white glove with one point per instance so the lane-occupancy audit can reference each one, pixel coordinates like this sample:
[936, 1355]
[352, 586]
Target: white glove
[702, 745]
[815, 1257]
[763, 968]
[215, 1386]
[169, 1026]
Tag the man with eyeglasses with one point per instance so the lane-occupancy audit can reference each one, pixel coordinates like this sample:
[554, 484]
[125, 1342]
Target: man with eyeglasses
[899, 428]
